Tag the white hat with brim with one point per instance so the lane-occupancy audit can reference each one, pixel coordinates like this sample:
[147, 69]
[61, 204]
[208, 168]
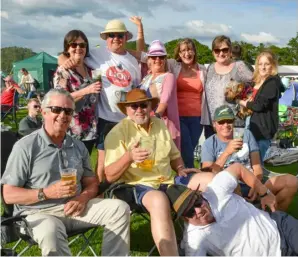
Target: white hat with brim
[115, 26]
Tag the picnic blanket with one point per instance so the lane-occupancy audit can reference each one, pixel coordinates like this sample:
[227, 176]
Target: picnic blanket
[278, 156]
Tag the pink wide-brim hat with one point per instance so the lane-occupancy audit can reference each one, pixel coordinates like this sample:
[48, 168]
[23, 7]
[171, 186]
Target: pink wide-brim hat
[156, 48]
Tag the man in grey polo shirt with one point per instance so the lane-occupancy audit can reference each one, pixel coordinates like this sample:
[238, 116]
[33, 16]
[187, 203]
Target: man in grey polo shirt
[32, 182]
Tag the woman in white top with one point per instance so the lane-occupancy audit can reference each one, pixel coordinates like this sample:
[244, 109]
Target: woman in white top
[27, 81]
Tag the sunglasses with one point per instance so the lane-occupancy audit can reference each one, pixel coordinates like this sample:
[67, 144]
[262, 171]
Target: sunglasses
[197, 204]
[224, 50]
[36, 106]
[141, 105]
[75, 45]
[221, 122]
[159, 57]
[118, 35]
[58, 110]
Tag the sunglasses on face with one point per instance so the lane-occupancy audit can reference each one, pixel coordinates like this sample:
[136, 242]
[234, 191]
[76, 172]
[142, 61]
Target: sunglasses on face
[197, 204]
[36, 106]
[159, 57]
[221, 122]
[224, 50]
[118, 35]
[58, 110]
[141, 105]
[75, 45]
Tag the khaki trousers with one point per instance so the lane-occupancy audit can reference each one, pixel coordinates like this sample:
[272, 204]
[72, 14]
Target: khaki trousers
[50, 227]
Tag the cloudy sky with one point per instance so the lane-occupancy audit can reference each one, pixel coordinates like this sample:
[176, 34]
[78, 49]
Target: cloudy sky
[42, 24]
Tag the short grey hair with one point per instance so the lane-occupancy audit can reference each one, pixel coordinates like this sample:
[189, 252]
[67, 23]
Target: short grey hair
[56, 91]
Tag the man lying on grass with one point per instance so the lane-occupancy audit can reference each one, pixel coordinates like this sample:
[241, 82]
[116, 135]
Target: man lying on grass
[219, 222]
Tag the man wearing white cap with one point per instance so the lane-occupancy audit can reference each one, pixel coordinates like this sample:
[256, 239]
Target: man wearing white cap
[119, 73]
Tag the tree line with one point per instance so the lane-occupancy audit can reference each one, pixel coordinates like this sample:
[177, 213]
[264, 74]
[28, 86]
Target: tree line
[287, 55]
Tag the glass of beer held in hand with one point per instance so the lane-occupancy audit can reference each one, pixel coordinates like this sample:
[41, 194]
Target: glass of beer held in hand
[147, 143]
[69, 174]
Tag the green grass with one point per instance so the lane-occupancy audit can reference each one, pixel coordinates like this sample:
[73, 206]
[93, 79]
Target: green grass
[141, 239]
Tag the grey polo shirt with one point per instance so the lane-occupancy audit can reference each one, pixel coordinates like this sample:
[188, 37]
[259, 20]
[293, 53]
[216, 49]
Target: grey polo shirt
[34, 163]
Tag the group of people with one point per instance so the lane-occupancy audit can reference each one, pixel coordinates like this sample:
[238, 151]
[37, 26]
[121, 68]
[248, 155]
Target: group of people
[171, 105]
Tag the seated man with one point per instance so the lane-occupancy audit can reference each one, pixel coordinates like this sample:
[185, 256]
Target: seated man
[219, 222]
[54, 207]
[221, 150]
[125, 158]
[31, 122]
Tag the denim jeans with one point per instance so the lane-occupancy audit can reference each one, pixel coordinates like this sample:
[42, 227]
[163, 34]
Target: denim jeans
[263, 144]
[191, 130]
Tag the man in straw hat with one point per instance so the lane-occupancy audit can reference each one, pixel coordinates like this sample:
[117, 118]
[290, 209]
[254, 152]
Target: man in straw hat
[119, 72]
[219, 222]
[141, 152]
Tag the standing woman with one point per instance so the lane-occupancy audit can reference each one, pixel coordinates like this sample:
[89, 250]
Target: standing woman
[264, 104]
[219, 74]
[162, 84]
[77, 82]
[190, 77]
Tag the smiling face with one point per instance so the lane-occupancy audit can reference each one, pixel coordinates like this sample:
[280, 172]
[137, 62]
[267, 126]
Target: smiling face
[57, 124]
[224, 129]
[157, 63]
[187, 53]
[264, 67]
[201, 215]
[222, 53]
[116, 42]
[139, 112]
[77, 49]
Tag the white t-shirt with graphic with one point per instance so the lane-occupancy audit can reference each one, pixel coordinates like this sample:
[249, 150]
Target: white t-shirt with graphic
[118, 73]
[213, 148]
[240, 228]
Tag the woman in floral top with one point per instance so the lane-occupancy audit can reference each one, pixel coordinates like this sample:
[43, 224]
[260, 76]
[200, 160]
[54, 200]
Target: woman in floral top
[77, 82]
[219, 75]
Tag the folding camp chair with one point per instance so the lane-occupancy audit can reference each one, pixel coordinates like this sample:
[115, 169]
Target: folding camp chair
[11, 110]
[15, 227]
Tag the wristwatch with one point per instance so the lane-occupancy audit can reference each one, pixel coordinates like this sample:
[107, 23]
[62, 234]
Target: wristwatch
[266, 193]
[157, 115]
[41, 196]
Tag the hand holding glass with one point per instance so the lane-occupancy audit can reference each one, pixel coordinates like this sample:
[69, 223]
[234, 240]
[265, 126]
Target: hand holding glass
[238, 133]
[69, 174]
[147, 143]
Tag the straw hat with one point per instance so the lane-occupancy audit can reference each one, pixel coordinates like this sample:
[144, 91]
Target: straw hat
[137, 95]
[115, 26]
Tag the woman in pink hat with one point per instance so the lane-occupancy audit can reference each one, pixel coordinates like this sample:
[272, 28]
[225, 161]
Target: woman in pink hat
[162, 84]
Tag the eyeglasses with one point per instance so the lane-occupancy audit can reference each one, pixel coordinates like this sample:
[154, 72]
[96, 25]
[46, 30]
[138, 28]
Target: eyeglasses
[75, 45]
[221, 122]
[118, 35]
[141, 105]
[159, 57]
[197, 204]
[58, 110]
[224, 50]
[36, 106]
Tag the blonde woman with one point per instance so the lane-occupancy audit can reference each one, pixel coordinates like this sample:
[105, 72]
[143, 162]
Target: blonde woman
[264, 103]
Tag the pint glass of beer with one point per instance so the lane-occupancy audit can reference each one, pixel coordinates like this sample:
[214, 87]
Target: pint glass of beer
[147, 143]
[69, 174]
[238, 133]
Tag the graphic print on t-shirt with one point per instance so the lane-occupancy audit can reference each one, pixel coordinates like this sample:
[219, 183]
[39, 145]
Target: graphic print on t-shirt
[118, 76]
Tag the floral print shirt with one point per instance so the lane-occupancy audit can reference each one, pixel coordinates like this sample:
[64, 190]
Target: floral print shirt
[83, 123]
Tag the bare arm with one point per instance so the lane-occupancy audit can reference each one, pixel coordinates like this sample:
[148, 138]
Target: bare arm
[140, 38]
[161, 108]
[256, 165]
[115, 170]
[19, 195]
[20, 91]
[90, 188]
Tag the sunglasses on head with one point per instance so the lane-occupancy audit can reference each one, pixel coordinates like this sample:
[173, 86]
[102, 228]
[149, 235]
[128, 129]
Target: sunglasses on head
[224, 50]
[159, 57]
[141, 105]
[191, 211]
[118, 35]
[221, 122]
[75, 45]
[36, 106]
[58, 110]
